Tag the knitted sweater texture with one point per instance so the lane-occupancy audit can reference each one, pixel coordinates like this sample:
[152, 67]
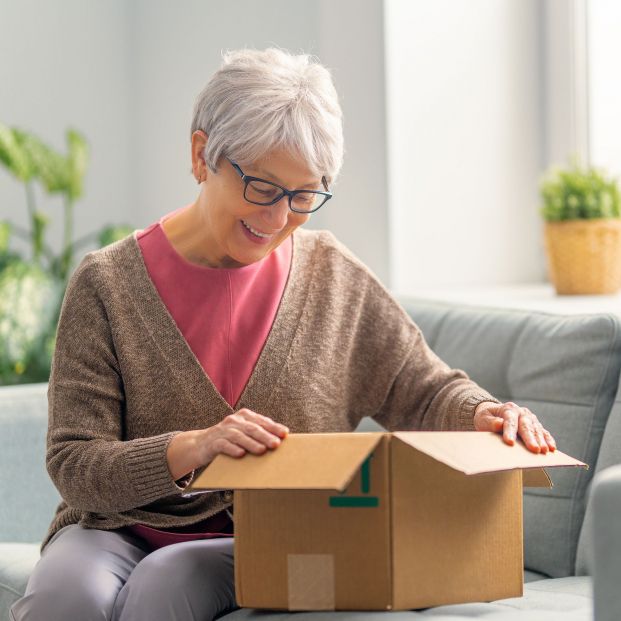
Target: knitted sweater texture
[124, 380]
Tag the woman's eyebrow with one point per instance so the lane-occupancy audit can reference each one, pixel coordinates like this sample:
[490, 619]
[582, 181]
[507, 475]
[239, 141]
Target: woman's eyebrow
[271, 176]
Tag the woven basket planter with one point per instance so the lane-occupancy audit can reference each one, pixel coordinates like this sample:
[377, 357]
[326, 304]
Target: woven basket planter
[584, 256]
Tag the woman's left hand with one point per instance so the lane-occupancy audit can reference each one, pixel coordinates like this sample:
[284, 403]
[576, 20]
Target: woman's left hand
[514, 421]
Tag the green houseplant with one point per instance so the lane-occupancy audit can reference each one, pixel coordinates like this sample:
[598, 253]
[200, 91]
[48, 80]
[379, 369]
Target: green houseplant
[32, 287]
[581, 209]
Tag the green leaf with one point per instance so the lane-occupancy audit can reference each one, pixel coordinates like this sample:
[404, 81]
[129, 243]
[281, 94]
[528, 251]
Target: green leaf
[51, 167]
[579, 193]
[110, 234]
[29, 299]
[77, 161]
[5, 234]
[12, 155]
[39, 223]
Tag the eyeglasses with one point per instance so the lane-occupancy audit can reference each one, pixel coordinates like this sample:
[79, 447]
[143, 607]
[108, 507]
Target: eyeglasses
[261, 192]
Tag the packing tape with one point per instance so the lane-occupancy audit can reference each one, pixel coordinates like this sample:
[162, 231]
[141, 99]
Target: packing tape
[310, 579]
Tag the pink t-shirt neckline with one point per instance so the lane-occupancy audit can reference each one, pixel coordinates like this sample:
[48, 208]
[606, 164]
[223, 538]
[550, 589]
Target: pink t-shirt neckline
[243, 269]
[224, 314]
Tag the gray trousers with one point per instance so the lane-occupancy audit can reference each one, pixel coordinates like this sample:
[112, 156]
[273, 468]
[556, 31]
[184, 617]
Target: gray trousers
[88, 574]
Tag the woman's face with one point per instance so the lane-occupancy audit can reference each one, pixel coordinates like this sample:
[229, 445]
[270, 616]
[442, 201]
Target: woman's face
[227, 215]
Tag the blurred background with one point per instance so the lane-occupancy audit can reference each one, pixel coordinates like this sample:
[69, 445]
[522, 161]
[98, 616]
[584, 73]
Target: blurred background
[453, 111]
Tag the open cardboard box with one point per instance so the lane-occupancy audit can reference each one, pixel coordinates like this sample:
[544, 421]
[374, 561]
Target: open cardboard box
[379, 521]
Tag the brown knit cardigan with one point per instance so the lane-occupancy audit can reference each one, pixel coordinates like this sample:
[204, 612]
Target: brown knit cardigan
[124, 380]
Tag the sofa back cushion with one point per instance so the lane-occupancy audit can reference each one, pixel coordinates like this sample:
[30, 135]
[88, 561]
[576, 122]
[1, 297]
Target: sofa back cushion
[566, 370]
[29, 498]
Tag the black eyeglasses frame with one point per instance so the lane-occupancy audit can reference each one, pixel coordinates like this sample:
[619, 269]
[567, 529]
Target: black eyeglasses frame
[285, 192]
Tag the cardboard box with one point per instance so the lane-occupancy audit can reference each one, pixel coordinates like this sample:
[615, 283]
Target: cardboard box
[379, 521]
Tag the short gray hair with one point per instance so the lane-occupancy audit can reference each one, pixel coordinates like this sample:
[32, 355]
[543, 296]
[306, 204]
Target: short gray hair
[260, 100]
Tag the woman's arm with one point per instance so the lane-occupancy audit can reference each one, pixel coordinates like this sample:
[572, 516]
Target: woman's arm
[92, 466]
[427, 394]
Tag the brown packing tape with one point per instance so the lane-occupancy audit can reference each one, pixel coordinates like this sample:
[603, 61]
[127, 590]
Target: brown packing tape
[310, 580]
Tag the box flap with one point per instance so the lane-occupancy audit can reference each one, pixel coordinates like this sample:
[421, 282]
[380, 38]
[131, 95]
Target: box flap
[302, 461]
[478, 452]
[536, 477]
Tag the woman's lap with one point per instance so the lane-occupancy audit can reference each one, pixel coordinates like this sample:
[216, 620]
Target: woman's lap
[96, 574]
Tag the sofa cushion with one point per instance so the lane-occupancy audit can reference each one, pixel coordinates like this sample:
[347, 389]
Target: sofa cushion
[29, 498]
[566, 370]
[609, 455]
[17, 560]
[562, 599]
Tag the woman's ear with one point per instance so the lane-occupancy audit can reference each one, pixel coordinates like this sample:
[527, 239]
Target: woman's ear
[199, 166]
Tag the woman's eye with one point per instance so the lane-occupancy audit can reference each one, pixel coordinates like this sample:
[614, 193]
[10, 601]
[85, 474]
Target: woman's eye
[263, 189]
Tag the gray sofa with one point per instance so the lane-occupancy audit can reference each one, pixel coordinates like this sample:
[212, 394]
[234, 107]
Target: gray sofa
[566, 369]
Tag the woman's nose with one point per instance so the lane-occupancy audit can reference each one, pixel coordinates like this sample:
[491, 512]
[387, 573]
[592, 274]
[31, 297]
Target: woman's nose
[276, 215]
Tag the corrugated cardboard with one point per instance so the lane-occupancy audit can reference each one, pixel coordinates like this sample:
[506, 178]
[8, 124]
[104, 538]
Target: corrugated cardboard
[379, 521]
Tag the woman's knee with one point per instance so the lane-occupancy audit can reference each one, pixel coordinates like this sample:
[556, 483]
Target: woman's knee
[73, 603]
[194, 576]
[78, 576]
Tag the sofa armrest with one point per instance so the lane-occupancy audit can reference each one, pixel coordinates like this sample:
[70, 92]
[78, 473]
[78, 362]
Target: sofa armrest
[606, 506]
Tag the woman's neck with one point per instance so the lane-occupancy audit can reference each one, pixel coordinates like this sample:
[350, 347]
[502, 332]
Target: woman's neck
[186, 231]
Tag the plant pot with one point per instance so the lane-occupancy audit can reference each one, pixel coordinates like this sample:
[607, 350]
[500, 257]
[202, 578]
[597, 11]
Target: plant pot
[584, 256]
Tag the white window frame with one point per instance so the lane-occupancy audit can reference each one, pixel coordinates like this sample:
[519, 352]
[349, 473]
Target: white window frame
[566, 82]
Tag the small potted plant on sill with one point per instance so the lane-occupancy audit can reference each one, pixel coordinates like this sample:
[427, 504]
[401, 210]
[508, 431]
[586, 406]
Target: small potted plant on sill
[581, 209]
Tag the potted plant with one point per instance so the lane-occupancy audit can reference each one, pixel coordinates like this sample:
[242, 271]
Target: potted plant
[32, 287]
[582, 230]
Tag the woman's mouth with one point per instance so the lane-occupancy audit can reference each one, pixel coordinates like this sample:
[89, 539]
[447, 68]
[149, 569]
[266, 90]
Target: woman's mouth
[254, 231]
[255, 236]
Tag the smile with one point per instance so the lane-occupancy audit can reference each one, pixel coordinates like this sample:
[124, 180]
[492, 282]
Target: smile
[254, 231]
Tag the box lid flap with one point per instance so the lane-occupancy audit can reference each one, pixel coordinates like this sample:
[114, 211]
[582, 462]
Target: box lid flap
[536, 477]
[302, 461]
[481, 451]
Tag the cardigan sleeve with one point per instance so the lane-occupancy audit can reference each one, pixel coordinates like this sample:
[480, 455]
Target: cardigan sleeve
[92, 466]
[427, 394]
[388, 370]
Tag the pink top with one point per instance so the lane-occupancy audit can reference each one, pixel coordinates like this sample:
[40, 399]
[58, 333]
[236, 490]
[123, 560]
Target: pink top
[225, 315]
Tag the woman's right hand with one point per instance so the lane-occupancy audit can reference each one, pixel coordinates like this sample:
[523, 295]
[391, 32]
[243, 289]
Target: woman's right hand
[243, 432]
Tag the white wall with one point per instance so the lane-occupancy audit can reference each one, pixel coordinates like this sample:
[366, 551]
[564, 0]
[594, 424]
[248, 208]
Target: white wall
[463, 110]
[127, 74]
[351, 43]
[464, 142]
[176, 51]
[66, 64]
[604, 84]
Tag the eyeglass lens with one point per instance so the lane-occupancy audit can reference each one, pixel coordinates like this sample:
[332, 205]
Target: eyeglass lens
[264, 193]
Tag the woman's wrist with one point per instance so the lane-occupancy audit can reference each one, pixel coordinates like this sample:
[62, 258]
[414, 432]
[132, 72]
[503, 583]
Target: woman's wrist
[183, 454]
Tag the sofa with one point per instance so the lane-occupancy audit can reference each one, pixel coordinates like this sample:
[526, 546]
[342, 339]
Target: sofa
[564, 368]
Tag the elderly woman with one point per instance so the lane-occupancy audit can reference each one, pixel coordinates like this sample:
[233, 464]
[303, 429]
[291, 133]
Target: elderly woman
[219, 329]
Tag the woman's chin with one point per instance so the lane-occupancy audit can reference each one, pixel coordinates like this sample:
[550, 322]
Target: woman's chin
[244, 257]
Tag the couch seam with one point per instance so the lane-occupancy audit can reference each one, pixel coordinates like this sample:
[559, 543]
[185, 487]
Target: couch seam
[538, 399]
[11, 590]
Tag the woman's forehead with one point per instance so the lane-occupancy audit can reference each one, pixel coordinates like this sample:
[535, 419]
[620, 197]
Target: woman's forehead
[285, 168]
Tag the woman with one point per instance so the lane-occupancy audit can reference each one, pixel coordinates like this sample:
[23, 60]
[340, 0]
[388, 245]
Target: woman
[219, 329]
